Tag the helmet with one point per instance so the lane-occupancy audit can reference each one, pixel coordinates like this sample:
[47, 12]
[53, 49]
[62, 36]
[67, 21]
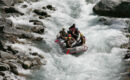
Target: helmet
[69, 35]
[81, 34]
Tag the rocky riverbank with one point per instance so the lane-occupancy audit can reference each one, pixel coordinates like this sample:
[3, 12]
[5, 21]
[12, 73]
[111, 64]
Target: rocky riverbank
[119, 9]
[15, 61]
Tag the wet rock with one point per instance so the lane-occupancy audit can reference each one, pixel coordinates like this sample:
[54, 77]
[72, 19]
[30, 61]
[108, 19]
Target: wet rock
[4, 67]
[43, 7]
[114, 8]
[27, 64]
[41, 56]
[5, 55]
[19, 33]
[2, 45]
[36, 62]
[2, 73]
[7, 2]
[5, 23]
[34, 53]
[127, 56]
[12, 10]
[24, 6]
[15, 71]
[7, 78]
[38, 29]
[37, 39]
[50, 7]
[42, 17]
[1, 29]
[34, 0]
[10, 49]
[39, 12]
[36, 22]
[105, 21]
[12, 65]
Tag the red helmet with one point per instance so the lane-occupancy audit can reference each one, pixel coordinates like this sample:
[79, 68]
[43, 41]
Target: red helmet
[69, 35]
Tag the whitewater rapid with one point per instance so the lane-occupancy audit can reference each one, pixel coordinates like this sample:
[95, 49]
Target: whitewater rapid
[102, 61]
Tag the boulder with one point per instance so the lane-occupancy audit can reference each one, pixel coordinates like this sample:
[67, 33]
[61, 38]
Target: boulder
[113, 8]
[4, 67]
[7, 2]
[10, 2]
[34, 53]
[24, 6]
[2, 45]
[36, 22]
[15, 71]
[37, 39]
[127, 56]
[2, 73]
[38, 29]
[50, 7]
[43, 7]
[27, 64]
[5, 23]
[36, 62]
[41, 13]
[5, 55]
[12, 10]
[1, 29]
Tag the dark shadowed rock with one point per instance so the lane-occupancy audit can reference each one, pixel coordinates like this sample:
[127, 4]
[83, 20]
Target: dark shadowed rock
[36, 22]
[34, 53]
[43, 7]
[24, 6]
[39, 12]
[1, 29]
[12, 10]
[42, 17]
[27, 64]
[4, 67]
[114, 8]
[2, 45]
[127, 56]
[2, 73]
[38, 29]
[15, 71]
[50, 7]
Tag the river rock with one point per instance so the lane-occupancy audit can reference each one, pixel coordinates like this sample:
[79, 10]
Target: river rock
[7, 2]
[36, 22]
[114, 8]
[2, 45]
[15, 71]
[27, 64]
[36, 62]
[1, 29]
[41, 13]
[38, 29]
[4, 67]
[5, 55]
[12, 10]
[50, 7]
[5, 23]
[2, 73]
[127, 56]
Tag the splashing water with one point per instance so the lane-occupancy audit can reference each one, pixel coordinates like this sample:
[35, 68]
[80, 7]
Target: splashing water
[102, 61]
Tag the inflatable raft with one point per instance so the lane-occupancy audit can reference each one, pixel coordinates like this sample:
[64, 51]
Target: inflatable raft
[73, 50]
